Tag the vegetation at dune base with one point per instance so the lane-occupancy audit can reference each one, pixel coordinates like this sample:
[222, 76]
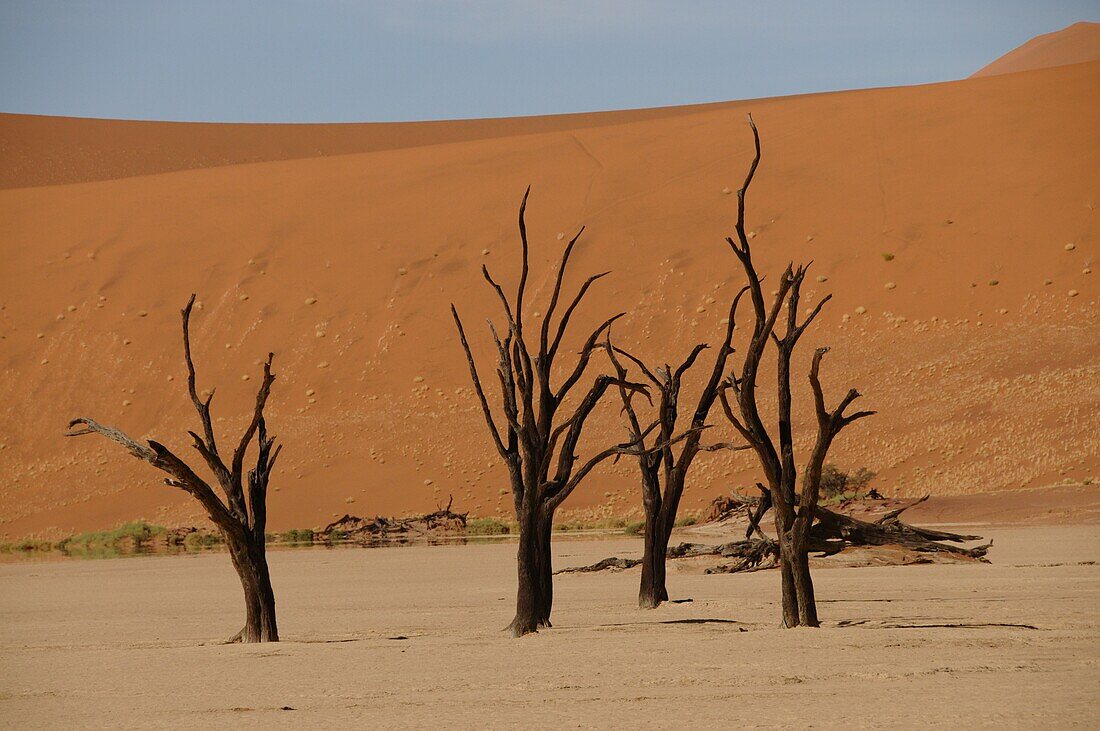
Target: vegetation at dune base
[838, 486]
[489, 527]
[139, 537]
[27, 545]
[294, 535]
[198, 540]
[128, 537]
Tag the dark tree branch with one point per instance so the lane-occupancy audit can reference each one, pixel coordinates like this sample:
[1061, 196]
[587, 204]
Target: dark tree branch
[241, 522]
[477, 385]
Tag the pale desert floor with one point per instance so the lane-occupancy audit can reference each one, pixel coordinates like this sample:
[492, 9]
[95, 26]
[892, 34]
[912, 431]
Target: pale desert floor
[410, 637]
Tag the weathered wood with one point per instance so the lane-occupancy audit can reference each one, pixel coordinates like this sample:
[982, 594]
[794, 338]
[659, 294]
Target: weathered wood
[537, 441]
[613, 563]
[830, 526]
[663, 472]
[441, 522]
[775, 451]
[831, 533]
[242, 516]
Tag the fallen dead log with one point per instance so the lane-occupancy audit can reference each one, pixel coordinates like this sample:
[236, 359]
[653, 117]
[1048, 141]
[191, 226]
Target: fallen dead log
[831, 533]
[751, 553]
[889, 530]
[373, 530]
[608, 563]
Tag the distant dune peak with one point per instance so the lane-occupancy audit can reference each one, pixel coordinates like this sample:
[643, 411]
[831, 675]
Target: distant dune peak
[1078, 43]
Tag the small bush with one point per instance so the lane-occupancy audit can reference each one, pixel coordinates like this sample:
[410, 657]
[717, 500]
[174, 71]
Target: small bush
[635, 528]
[686, 520]
[127, 536]
[838, 485]
[487, 527]
[199, 540]
[297, 535]
[27, 545]
[605, 523]
[887, 256]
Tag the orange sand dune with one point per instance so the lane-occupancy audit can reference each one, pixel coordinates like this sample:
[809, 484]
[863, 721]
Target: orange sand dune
[986, 377]
[40, 150]
[1078, 43]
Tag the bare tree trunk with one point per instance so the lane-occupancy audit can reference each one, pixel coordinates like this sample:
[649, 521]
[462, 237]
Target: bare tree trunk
[799, 605]
[546, 567]
[804, 589]
[788, 562]
[250, 561]
[652, 590]
[535, 588]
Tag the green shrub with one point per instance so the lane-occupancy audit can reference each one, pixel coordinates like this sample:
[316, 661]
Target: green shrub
[128, 536]
[487, 527]
[838, 485]
[887, 256]
[199, 540]
[635, 528]
[27, 545]
[297, 535]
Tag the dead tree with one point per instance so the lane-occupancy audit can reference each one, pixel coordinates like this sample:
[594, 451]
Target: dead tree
[794, 511]
[539, 445]
[663, 471]
[833, 533]
[242, 515]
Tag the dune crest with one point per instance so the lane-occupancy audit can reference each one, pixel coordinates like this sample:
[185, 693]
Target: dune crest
[1078, 43]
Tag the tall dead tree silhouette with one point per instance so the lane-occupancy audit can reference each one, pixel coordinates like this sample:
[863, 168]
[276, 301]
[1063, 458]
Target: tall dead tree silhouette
[538, 443]
[242, 516]
[663, 471]
[794, 510]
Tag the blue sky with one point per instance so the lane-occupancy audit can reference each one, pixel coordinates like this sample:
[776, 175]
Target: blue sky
[390, 60]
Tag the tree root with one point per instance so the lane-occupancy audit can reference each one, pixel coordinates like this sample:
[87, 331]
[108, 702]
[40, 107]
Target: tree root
[237, 638]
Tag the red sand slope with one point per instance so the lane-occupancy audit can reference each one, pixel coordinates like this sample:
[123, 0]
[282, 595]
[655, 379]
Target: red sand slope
[986, 377]
[1078, 43]
[40, 150]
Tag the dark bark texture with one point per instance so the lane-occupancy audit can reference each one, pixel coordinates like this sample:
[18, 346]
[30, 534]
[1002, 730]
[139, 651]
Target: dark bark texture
[831, 533]
[539, 439]
[663, 470]
[794, 510]
[241, 511]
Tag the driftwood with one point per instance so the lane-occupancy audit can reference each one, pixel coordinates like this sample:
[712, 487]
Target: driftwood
[374, 530]
[608, 563]
[836, 528]
[831, 533]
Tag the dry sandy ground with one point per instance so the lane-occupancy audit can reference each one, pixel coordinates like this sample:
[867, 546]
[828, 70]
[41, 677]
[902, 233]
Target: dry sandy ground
[410, 637]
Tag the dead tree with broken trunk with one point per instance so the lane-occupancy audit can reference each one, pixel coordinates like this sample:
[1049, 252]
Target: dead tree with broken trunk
[794, 510]
[242, 515]
[538, 440]
[663, 471]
